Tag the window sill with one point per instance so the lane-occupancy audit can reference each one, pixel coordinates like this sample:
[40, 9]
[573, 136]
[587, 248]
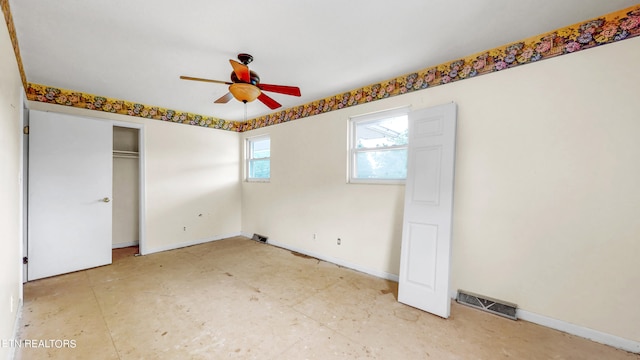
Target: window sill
[376, 182]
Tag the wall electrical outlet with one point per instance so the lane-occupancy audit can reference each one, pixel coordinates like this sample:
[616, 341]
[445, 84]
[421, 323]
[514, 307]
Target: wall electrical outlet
[184, 229]
[339, 241]
[315, 236]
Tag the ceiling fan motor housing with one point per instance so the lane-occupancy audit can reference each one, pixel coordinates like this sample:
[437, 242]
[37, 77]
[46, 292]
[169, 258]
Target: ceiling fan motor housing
[254, 78]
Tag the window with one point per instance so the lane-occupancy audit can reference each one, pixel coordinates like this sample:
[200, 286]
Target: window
[259, 158]
[378, 149]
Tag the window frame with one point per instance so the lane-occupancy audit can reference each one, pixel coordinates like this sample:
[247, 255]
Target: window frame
[354, 121]
[249, 141]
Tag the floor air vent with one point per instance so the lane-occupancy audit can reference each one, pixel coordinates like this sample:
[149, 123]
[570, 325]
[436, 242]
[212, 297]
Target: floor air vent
[487, 304]
[258, 237]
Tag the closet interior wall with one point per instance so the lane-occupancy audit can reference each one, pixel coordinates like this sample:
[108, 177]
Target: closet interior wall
[125, 187]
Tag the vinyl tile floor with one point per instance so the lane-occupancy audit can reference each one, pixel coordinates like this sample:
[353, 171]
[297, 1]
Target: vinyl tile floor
[240, 299]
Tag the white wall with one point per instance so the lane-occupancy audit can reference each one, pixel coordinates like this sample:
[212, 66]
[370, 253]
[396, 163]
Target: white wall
[551, 199]
[10, 190]
[308, 194]
[125, 196]
[189, 171]
[546, 196]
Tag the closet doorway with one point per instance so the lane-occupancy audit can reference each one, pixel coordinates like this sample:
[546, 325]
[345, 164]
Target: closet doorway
[126, 187]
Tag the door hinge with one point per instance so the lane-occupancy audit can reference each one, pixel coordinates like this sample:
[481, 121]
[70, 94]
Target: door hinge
[25, 130]
[25, 260]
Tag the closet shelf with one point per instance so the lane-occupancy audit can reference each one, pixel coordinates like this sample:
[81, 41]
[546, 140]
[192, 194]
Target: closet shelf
[125, 154]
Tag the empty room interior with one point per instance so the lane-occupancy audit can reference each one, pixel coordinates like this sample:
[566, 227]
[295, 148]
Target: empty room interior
[417, 180]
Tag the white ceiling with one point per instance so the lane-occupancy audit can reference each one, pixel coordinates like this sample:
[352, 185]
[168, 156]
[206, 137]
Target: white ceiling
[135, 50]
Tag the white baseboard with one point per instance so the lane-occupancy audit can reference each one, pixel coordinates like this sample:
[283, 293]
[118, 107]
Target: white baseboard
[577, 330]
[337, 261]
[581, 331]
[124, 244]
[188, 243]
[16, 328]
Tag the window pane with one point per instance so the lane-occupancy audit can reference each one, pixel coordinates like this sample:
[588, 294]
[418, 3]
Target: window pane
[259, 169]
[382, 164]
[261, 148]
[379, 143]
[381, 133]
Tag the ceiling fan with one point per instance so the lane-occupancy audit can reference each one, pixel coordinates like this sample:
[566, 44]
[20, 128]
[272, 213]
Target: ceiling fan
[245, 85]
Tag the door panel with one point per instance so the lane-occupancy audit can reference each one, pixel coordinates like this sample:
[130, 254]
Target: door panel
[426, 235]
[423, 246]
[426, 185]
[70, 185]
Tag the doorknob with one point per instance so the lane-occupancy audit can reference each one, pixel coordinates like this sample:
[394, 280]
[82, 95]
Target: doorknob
[106, 199]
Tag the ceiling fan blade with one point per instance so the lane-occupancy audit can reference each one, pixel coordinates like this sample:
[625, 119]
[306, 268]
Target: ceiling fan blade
[241, 70]
[205, 80]
[224, 99]
[272, 104]
[287, 90]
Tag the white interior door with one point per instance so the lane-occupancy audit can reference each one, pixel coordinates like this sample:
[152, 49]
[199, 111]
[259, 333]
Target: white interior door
[426, 229]
[70, 165]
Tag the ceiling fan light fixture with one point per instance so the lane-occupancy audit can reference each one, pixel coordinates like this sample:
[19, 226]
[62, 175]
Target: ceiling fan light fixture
[244, 92]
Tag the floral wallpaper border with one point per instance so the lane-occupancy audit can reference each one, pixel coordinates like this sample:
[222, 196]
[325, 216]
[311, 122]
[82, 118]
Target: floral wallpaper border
[617, 26]
[52, 95]
[8, 18]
